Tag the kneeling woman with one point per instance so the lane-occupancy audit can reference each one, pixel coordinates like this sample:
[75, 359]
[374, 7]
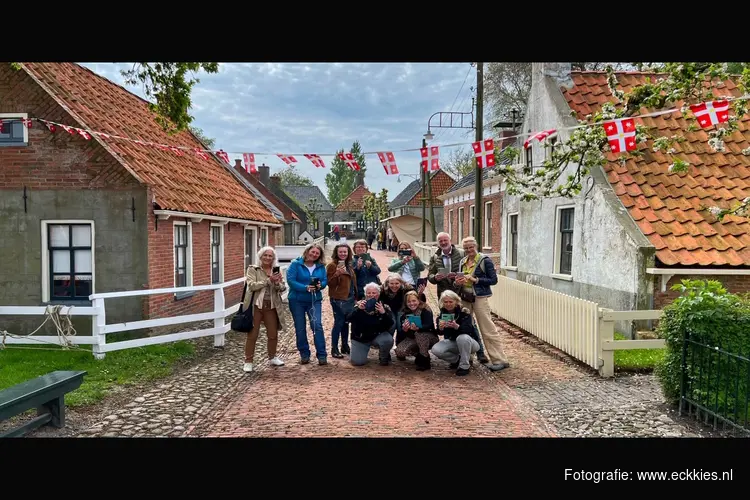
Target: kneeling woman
[416, 338]
[371, 326]
[459, 337]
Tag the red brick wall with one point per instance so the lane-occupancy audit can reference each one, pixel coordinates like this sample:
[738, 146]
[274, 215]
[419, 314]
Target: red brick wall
[57, 159]
[440, 183]
[497, 219]
[161, 267]
[733, 283]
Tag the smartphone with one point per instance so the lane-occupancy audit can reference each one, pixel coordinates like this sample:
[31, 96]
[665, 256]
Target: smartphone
[276, 269]
[370, 304]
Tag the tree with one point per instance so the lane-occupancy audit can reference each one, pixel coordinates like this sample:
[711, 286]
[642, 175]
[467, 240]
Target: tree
[342, 180]
[689, 82]
[311, 211]
[376, 206]
[209, 142]
[290, 177]
[507, 85]
[459, 163]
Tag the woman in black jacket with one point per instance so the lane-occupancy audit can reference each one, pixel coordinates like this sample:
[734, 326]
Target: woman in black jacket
[459, 342]
[371, 326]
[415, 339]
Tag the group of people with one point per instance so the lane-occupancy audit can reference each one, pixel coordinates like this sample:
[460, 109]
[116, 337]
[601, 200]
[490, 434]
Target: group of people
[368, 314]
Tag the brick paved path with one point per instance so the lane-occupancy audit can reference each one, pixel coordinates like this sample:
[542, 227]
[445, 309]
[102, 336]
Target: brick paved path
[342, 400]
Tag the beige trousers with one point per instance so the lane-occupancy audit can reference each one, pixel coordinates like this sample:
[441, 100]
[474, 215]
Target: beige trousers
[491, 337]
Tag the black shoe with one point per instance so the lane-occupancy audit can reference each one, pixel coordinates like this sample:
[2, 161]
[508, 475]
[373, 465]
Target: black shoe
[423, 363]
[401, 358]
[336, 354]
[322, 361]
[482, 358]
[385, 362]
[304, 361]
[453, 366]
[345, 349]
[461, 372]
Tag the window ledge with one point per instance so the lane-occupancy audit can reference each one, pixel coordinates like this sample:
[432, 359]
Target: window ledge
[13, 144]
[564, 277]
[184, 295]
[68, 303]
[509, 268]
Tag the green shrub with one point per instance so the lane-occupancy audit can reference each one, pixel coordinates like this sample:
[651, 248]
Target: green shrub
[708, 314]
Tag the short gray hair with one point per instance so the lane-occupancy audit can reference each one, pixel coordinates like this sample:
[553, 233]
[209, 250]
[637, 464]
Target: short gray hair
[264, 250]
[450, 294]
[372, 285]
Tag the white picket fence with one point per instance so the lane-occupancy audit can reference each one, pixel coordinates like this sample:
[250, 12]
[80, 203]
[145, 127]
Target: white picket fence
[578, 327]
[100, 329]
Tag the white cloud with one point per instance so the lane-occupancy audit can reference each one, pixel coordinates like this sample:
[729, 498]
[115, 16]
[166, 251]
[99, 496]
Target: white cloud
[322, 107]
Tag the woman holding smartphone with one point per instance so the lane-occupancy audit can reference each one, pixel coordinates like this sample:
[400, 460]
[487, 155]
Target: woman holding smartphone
[342, 289]
[265, 284]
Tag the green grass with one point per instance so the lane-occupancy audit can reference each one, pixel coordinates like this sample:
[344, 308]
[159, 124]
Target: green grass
[118, 368]
[637, 359]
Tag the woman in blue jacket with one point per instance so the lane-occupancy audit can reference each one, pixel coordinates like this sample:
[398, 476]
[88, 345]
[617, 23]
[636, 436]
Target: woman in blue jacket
[305, 299]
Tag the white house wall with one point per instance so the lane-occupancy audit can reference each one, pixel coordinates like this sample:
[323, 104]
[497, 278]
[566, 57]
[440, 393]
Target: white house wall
[607, 256]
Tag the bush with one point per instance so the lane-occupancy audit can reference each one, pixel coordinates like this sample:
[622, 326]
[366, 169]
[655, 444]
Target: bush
[711, 316]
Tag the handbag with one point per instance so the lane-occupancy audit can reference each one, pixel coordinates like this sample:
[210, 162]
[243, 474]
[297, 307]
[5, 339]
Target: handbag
[242, 321]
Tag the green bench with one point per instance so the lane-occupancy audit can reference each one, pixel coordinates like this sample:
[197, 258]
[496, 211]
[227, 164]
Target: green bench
[45, 393]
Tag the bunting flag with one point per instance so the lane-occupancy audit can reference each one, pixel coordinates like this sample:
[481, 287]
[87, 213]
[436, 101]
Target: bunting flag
[711, 113]
[221, 154]
[200, 153]
[389, 162]
[539, 136]
[316, 160]
[484, 152]
[430, 158]
[249, 162]
[288, 159]
[349, 160]
[620, 134]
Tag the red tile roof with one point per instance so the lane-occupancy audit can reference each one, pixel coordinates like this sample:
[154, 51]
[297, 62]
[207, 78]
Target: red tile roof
[670, 208]
[355, 200]
[181, 183]
[440, 183]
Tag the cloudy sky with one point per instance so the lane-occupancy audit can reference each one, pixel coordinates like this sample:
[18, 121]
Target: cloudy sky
[323, 107]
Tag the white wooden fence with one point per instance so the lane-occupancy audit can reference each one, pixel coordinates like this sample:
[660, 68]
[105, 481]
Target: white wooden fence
[578, 327]
[100, 329]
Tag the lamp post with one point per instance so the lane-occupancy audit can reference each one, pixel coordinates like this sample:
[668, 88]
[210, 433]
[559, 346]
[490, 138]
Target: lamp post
[459, 116]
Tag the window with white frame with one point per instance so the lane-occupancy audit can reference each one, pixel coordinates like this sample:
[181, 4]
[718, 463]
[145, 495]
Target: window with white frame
[67, 260]
[513, 240]
[564, 239]
[550, 145]
[460, 224]
[450, 223]
[183, 254]
[529, 157]
[264, 234]
[472, 220]
[488, 225]
[13, 132]
[217, 253]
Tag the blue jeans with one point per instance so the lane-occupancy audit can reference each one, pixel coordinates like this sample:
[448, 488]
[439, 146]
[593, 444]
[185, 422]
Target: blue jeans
[314, 312]
[340, 327]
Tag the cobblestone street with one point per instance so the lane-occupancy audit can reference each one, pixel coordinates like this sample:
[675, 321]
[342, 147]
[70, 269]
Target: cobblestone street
[543, 393]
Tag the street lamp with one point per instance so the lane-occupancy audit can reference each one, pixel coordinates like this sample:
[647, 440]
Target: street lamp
[429, 135]
[415, 176]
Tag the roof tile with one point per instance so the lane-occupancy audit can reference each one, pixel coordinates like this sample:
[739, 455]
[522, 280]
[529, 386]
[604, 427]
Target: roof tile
[182, 183]
[671, 208]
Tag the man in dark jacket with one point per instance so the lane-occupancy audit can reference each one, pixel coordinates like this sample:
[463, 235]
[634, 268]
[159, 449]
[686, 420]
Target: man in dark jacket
[371, 327]
[448, 256]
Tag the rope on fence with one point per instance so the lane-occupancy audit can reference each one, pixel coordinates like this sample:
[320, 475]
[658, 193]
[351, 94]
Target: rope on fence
[63, 325]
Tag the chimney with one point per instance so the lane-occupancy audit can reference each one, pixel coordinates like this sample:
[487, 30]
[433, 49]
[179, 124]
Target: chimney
[264, 171]
[238, 164]
[558, 71]
[275, 181]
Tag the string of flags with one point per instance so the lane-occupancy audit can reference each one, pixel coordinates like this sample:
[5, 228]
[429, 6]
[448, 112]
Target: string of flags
[620, 135]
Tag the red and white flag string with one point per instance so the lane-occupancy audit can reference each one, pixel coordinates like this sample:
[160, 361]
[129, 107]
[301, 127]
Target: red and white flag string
[620, 135]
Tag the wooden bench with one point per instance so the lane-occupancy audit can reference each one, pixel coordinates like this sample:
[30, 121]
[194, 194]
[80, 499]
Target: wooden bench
[45, 393]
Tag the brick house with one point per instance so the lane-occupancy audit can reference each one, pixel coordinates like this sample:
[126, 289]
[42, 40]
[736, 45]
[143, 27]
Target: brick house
[635, 229]
[459, 210]
[409, 201]
[302, 196]
[258, 183]
[352, 209]
[100, 215]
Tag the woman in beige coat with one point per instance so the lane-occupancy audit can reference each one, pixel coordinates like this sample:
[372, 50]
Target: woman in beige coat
[268, 309]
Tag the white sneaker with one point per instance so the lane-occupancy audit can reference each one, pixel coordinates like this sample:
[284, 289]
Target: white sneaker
[248, 367]
[277, 362]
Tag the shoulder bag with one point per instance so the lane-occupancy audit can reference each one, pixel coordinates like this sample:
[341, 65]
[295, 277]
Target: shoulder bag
[242, 321]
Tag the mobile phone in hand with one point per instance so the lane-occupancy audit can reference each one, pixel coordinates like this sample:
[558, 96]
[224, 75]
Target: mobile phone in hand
[276, 269]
